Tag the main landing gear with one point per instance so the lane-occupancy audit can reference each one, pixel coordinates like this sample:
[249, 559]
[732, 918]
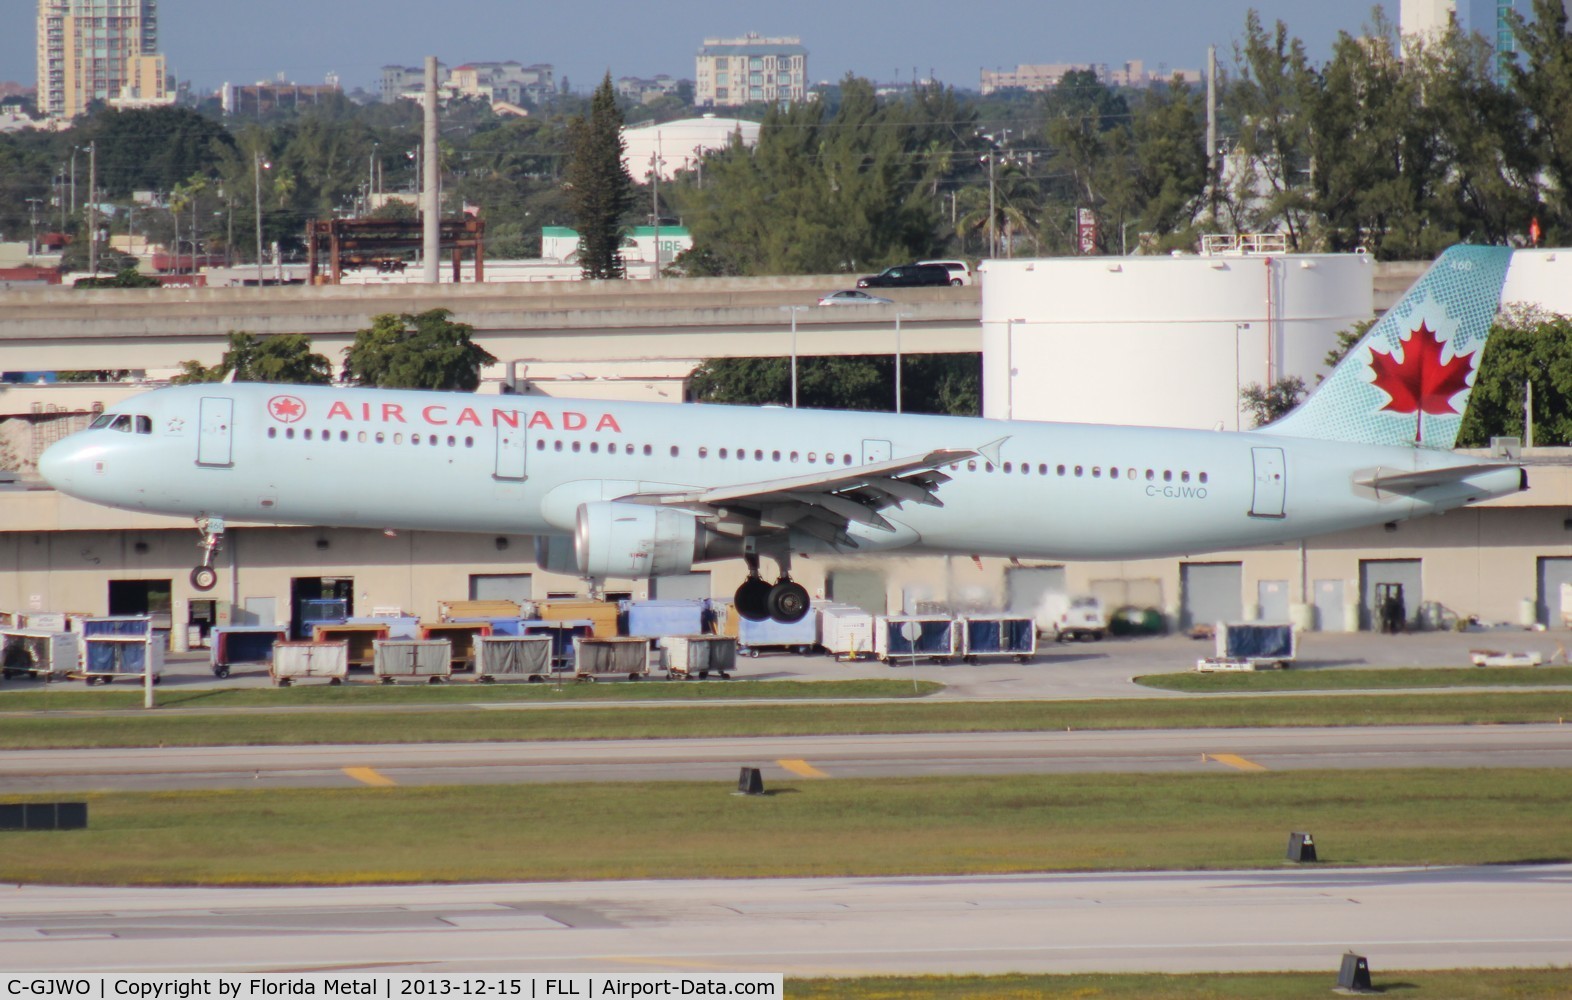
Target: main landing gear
[785, 601]
[205, 576]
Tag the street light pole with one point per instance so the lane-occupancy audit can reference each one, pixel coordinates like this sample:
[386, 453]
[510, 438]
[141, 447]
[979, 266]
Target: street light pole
[898, 315]
[260, 165]
[794, 310]
[92, 208]
[655, 165]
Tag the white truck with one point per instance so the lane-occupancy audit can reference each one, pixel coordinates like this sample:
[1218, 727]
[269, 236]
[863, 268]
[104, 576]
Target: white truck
[1068, 618]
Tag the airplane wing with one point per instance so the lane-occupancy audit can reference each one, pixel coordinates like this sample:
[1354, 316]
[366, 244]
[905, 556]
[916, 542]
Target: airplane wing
[1407, 482]
[823, 504]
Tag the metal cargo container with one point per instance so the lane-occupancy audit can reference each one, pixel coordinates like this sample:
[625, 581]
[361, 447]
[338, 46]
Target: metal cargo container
[293, 661]
[527, 656]
[1251, 646]
[845, 631]
[499, 626]
[454, 611]
[935, 637]
[39, 653]
[107, 656]
[237, 645]
[431, 659]
[754, 637]
[699, 655]
[562, 633]
[594, 657]
[398, 626]
[657, 618]
[602, 615]
[997, 636]
[314, 611]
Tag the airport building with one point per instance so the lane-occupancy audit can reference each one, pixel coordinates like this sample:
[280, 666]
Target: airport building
[1502, 561]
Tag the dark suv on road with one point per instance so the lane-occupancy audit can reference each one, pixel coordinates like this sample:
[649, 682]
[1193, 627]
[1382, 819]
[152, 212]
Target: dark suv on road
[907, 276]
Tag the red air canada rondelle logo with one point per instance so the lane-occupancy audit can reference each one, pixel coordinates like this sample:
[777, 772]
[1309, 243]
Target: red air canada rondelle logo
[286, 409]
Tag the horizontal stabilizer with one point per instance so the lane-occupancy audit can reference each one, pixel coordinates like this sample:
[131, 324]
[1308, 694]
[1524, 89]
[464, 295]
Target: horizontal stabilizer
[1407, 482]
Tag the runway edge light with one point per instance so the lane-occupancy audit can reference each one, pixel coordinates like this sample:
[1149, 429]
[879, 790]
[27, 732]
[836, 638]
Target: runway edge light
[1301, 847]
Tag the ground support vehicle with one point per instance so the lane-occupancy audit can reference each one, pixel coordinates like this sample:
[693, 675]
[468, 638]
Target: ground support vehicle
[932, 638]
[31, 652]
[845, 631]
[1251, 646]
[296, 661]
[596, 658]
[243, 645]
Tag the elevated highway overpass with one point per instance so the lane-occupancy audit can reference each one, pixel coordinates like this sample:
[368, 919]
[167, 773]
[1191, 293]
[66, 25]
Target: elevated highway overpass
[674, 320]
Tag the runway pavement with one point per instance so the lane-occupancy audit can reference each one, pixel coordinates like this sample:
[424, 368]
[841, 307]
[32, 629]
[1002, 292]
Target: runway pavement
[781, 757]
[1298, 919]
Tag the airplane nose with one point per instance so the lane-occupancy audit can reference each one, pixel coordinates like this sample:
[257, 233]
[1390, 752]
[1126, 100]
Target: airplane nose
[58, 464]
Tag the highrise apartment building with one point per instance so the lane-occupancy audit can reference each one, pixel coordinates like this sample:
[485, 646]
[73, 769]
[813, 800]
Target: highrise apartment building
[735, 71]
[92, 50]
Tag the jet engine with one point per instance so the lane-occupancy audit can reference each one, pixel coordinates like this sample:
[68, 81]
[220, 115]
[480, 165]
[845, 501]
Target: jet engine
[622, 539]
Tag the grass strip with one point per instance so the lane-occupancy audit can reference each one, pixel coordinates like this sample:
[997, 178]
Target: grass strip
[167, 728]
[850, 827]
[1463, 984]
[1328, 679]
[73, 698]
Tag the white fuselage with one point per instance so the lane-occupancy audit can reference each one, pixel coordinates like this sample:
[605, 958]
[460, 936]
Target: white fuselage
[522, 464]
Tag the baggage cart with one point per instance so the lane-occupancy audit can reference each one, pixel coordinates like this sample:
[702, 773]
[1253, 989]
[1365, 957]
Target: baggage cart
[935, 638]
[513, 656]
[754, 637]
[430, 660]
[359, 639]
[1251, 646]
[461, 636]
[596, 658]
[110, 655]
[316, 611]
[997, 637]
[296, 661]
[845, 631]
[690, 656]
[30, 652]
[652, 619]
[602, 615]
[562, 633]
[243, 645]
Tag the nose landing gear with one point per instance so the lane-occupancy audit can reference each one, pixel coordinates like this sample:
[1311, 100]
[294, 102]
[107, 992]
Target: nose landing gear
[204, 576]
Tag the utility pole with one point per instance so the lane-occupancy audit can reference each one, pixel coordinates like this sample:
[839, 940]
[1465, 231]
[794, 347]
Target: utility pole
[92, 208]
[431, 199]
[1211, 127]
[993, 240]
[32, 212]
[259, 166]
[655, 162]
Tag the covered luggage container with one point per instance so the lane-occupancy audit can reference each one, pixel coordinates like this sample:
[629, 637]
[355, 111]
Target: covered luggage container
[316, 611]
[653, 619]
[359, 639]
[691, 656]
[461, 636]
[997, 637]
[430, 660]
[480, 610]
[596, 658]
[562, 633]
[296, 661]
[1251, 646]
[121, 646]
[513, 657]
[602, 615]
[243, 645]
[845, 631]
[753, 637]
[30, 652]
[398, 626]
[934, 637]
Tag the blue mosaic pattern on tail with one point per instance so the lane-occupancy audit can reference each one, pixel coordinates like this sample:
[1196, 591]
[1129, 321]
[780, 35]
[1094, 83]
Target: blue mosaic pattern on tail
[1457, 298]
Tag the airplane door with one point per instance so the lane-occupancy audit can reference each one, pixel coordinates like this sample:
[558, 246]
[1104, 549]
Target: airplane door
[215, 439]
[1270, 483]
[875, 451]
[510, 452]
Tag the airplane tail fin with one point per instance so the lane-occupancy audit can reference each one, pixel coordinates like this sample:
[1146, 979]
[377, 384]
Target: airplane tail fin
[1408, 380]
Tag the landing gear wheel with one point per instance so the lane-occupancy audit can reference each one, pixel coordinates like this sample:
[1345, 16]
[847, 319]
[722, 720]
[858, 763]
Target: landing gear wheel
[753, 599]
[204, 577]
[788, 602]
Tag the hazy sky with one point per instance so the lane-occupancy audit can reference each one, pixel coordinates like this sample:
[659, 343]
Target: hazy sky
[210, 42]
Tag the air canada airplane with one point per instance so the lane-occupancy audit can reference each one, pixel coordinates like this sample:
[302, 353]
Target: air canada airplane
[651, 489]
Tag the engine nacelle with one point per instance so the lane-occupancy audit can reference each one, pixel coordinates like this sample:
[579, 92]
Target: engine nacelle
[635, 540]
[554, 554]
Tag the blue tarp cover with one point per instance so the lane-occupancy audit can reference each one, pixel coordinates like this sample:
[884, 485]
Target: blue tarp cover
[1259, 642]
[934, 640]
[999, 635]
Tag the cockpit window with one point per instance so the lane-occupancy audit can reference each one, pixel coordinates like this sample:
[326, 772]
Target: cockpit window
[102, 420]
[144, 425]
[122, 422]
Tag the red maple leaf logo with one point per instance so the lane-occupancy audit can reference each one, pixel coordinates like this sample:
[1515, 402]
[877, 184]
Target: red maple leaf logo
[287, 409]
[1421, 383]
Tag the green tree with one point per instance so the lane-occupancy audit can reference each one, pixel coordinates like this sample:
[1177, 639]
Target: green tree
[1267, 404]
[1525, 348]
[1271, 106]
[416, 351]
[128, 277]
[931, 383]
[600, 191]
[1543, 80]
[279, 358]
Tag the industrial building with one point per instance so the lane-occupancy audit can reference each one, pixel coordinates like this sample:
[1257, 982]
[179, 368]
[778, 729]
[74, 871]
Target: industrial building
[1170, 341]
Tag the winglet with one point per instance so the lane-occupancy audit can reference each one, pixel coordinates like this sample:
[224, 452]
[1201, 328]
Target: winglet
[990, 451]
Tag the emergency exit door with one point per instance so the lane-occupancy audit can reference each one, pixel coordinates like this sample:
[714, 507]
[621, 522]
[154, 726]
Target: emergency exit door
[214, 436]
[1270, 483]
[511, 443]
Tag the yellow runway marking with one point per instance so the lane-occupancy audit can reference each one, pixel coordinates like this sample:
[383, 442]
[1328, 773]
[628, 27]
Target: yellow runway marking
[802, 768]
[369, 775]
[1234, 760]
